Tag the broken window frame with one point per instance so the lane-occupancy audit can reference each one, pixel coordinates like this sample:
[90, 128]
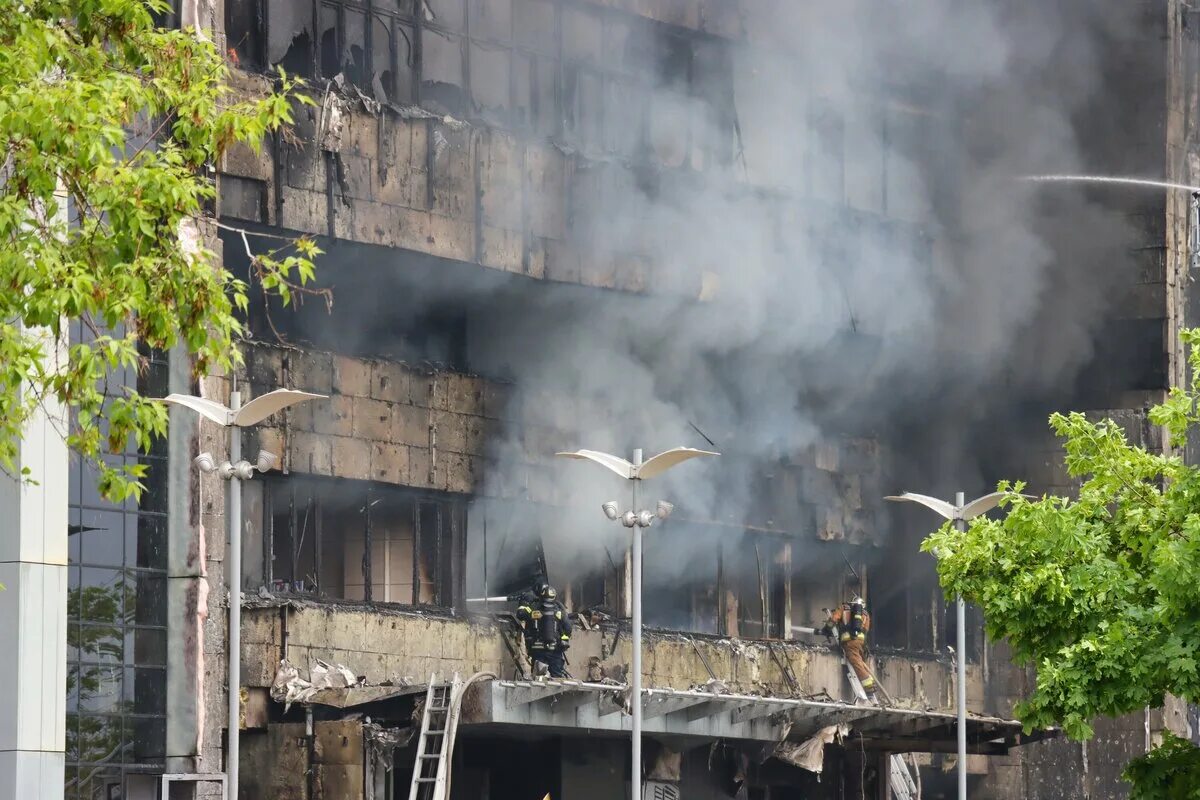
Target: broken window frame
[948, 630]
[761, 591]
[443, 588]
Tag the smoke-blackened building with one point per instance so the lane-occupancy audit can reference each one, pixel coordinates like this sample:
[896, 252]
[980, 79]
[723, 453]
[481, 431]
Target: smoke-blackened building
[796, 234]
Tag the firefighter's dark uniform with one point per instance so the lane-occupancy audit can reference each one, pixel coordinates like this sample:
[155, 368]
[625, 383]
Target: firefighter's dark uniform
[525, 602]
[547, 630]
[853, 622]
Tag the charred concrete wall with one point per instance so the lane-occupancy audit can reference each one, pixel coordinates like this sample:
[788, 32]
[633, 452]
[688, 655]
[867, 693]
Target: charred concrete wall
[394, 644]
[432, 428]
[285, 763]
[400, 646]
[513, 141]
[392, 424]
[389, 422]
[197, 600]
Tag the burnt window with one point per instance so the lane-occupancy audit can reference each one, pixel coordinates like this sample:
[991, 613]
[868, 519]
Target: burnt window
[717, 580]
[908, 607]
[687, 83]
[901, 613]
[385, 314]
[354, 540]
[681, 574]
[370, 44]
[817, 573]
[442, 77]
[948, 629]
[604, 80]
[592, 591]
[243, 33]
[491, 81]
[754, 572]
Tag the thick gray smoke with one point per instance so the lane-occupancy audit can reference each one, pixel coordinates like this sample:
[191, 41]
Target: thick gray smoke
[866, 254]
[835, 239]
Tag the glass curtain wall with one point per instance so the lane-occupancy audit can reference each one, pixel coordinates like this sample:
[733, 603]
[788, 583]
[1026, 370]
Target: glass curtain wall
[117, 617]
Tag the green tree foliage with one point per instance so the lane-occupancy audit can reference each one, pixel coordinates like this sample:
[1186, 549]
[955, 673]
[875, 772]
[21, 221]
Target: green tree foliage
[1101, 593]
[111, 127]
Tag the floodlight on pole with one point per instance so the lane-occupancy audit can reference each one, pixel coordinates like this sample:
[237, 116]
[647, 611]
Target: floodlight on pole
[266, 461]
[236, 470]
[635, 471]
[960, 512]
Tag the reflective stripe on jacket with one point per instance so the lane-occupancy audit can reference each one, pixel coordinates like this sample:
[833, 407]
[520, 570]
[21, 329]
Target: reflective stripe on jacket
[852, 621]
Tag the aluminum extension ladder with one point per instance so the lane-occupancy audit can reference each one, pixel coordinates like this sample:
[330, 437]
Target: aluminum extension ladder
[901, 780]
[438, 724]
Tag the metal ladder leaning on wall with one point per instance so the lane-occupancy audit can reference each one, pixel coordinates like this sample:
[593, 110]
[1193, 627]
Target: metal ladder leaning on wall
[438, 725]
[901, 780]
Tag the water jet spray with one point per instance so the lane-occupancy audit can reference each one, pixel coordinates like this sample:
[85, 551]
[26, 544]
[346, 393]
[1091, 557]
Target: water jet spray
[1146, 182]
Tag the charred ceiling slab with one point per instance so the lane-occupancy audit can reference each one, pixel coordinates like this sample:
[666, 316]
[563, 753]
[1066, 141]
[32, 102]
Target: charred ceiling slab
[669, 712]
[352, 696]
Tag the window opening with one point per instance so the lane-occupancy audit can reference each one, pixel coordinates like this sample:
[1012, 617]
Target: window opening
[352, 540]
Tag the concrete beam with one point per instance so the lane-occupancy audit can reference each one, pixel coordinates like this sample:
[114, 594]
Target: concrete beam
[757, 711]
[531, 693]
[607, 709]
[706, 708]
[657, 706]
[570, 700]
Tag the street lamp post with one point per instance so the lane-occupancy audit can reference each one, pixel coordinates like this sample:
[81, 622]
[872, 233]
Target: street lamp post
[959, 513]
[236, 470]
[635, 471]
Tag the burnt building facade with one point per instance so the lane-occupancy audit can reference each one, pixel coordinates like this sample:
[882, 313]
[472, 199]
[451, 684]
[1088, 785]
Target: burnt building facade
[785, 233]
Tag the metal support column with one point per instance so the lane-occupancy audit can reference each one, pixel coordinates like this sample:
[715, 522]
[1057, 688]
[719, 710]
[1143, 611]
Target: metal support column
[635, 681]
[960, 613]
[234, 577]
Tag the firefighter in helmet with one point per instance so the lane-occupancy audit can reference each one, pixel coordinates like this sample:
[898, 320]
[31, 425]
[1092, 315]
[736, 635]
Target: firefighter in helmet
[547, 629]
[850, 621]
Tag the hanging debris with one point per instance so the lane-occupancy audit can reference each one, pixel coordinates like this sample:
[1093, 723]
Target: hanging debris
[810, 754]
[288, 687]
[382, 742]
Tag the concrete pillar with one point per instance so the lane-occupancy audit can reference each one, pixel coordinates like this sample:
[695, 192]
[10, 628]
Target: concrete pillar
[187, 584]
[33, 612]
